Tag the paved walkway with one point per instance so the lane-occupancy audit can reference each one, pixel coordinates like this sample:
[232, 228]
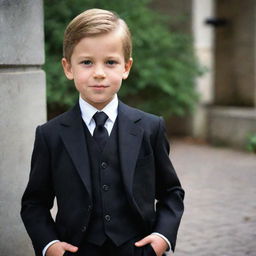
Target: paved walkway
[220, 202]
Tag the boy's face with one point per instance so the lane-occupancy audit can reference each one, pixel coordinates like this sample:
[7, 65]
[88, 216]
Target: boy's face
[98, 67]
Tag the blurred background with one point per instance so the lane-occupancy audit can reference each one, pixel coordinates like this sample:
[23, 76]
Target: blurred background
[194, 64]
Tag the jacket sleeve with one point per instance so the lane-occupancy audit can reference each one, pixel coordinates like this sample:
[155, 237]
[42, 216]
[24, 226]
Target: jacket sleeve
[38, 197]
[169, 193]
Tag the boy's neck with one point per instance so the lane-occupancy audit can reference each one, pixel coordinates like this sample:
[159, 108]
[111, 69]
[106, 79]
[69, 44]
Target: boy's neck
[99, 106]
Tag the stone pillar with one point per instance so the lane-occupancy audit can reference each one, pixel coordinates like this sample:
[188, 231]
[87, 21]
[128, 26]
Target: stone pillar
[23, 107]
[203, 44]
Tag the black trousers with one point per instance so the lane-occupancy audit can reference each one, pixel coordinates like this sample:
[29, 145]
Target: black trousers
[110, 249]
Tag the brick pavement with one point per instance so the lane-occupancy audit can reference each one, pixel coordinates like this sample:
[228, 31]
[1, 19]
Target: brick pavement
[220, 202]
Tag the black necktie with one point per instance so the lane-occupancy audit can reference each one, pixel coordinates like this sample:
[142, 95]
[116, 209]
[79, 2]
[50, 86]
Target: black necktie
[100, 133]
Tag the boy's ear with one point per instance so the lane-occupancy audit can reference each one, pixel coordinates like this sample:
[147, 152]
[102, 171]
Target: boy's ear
[67, 68]
[127, 68]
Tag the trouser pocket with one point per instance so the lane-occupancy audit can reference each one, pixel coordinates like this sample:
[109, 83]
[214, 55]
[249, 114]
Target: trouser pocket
[149, 251]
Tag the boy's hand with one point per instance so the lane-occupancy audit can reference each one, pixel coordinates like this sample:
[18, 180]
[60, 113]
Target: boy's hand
[59, 248]
[158, 243]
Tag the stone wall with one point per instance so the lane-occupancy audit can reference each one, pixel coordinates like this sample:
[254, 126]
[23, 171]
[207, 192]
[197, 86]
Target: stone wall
[233, 117]
[178, 12]
[23, 107]
[235, 63]
[231, 126]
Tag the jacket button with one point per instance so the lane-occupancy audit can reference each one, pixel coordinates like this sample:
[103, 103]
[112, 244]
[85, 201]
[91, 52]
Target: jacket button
[83, 229]
[105, 187]
[107, 217]
[104, 165]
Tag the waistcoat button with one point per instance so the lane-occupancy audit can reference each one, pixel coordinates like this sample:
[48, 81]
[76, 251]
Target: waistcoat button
[105, 187]
[83, 229]
[104, 165]
[107, 217]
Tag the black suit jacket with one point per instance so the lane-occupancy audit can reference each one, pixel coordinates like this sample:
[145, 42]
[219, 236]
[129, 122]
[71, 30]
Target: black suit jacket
[60, 168]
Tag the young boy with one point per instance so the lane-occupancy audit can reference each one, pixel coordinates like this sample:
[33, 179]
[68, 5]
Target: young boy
[104, 161]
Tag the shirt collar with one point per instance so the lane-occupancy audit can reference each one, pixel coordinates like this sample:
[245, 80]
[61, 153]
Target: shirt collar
[88, 110]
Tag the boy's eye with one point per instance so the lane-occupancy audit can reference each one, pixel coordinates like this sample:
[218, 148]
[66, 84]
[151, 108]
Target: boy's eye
[111, 62]
[87, 62]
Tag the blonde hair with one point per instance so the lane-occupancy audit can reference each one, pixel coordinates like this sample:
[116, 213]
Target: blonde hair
[95, 22]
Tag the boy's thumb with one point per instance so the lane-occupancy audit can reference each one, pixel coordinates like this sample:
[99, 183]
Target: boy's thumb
[143, 242]
[69, 247]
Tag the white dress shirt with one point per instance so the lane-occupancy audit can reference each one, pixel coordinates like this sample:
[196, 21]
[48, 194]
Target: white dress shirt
[87, 112]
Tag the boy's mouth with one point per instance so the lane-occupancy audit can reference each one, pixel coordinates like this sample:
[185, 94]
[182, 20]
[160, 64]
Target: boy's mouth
[99, 86]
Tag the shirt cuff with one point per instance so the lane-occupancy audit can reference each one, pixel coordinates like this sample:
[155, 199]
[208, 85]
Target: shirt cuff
[48, 245]
[165, 239]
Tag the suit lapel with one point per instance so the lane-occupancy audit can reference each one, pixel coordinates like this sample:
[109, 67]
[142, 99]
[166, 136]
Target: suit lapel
[72, 133]
[130, 138]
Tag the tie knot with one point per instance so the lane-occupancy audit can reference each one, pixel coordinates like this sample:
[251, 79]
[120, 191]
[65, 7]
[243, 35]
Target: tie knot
[100, 118]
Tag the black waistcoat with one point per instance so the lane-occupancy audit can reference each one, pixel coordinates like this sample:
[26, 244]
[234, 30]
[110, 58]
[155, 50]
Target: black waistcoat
[112, 217]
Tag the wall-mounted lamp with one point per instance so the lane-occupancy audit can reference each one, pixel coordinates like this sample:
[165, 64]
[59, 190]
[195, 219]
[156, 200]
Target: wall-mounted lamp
[216, 22]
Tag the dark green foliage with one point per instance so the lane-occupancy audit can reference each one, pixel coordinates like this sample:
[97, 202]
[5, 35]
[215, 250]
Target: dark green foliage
[162, 77]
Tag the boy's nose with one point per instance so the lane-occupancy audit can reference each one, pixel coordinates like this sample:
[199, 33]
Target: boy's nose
[99, 73]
